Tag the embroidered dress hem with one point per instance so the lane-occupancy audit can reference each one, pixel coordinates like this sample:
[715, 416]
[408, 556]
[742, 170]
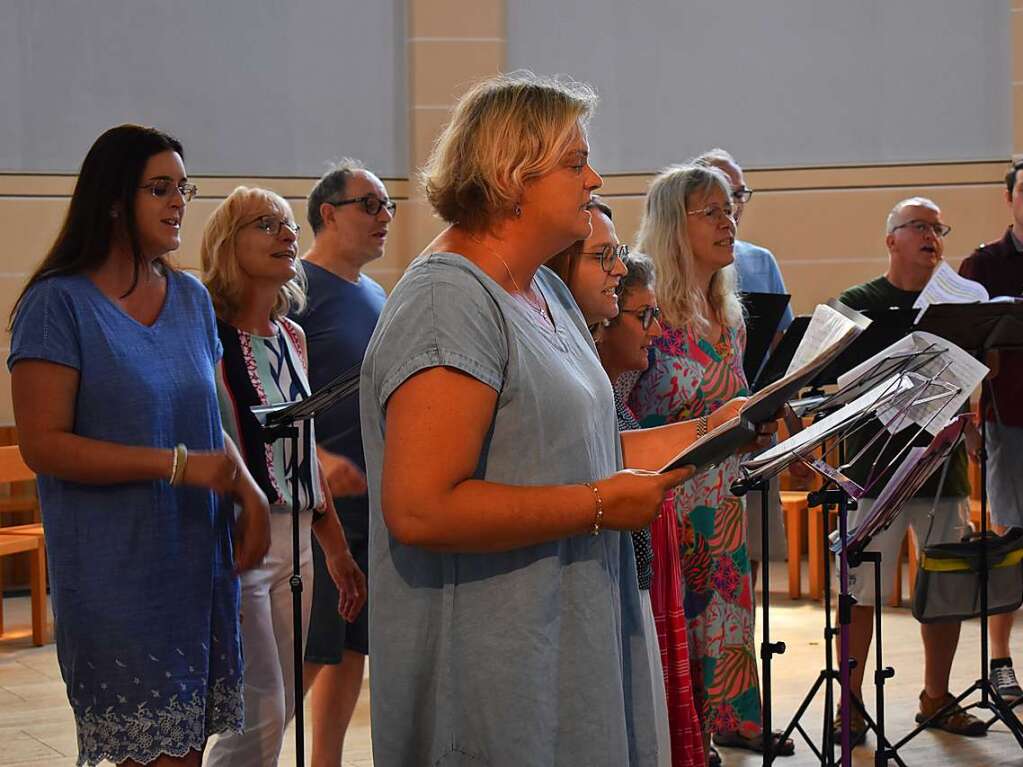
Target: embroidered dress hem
[173, 730]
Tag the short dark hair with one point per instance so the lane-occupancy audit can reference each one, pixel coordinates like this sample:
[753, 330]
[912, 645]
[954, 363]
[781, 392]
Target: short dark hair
[1010, 177]
[331, 186]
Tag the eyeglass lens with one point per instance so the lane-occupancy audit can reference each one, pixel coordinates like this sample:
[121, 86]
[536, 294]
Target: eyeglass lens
[272, 226]
[162, 187]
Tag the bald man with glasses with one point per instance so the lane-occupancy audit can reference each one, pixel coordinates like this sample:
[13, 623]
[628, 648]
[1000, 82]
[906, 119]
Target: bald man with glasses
[915, 239]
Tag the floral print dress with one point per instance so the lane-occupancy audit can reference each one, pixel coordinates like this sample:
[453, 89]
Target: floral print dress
[690, 377]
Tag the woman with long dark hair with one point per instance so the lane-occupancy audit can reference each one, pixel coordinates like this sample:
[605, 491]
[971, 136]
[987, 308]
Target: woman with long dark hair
[112, 359]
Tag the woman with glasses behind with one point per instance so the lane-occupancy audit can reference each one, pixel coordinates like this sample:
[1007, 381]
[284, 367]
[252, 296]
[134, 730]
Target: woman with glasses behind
[614, 291]
[112, 374]
[689, 230]
[251, 267]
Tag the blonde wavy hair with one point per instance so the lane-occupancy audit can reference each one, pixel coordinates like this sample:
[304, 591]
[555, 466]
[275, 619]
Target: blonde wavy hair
[504, 131]
[664, 236]
[220, 270]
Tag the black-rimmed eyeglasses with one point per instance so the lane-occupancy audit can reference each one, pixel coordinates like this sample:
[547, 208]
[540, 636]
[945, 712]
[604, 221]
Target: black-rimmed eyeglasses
[608, 255]
[922, 227]
[742, 195]
[370, 203]
[161, 187]
[646, 315]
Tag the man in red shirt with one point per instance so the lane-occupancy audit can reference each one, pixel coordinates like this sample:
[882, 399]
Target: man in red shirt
[998, 266]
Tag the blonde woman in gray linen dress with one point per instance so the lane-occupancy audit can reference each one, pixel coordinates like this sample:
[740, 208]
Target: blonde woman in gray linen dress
[505, 617]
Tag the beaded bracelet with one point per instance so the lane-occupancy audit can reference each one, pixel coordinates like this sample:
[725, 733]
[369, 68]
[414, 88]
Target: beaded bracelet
[598, 515]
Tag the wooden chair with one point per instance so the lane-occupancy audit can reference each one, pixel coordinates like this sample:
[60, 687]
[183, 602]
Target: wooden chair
[793, 504]
[25, 538]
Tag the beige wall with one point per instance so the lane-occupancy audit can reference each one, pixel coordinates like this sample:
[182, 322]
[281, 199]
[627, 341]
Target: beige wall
[823, 224]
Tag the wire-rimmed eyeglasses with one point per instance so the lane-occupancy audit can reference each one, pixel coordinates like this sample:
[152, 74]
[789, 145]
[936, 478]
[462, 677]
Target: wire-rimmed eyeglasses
[161, 187]
[922, 227]
[271, 225]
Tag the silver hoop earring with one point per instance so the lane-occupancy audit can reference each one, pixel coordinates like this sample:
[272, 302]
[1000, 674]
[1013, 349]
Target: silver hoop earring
[518, 211]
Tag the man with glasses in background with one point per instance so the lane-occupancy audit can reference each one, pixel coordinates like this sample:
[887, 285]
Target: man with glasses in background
[350, 215]
[915, 240]
[998, 266]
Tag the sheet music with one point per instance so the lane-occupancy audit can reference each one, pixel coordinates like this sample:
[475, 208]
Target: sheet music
[947, 287]
[830, 331]
[915, 469]
[953, 373]
[805, 441]
[830, 324]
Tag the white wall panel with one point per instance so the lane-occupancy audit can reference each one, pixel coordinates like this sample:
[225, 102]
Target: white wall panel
[780, 82]
[252, 87]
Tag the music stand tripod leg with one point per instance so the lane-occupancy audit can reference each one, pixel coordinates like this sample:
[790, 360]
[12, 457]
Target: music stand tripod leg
[271, 435]
[296, 609]
[884, 751]
[989, 697]
[827, 676]
[767, 648]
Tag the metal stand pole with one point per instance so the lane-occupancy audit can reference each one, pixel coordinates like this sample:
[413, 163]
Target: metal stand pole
[269, 436]
[768, 649]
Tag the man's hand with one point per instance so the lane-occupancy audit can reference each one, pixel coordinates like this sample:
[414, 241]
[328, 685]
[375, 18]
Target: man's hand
[350, 582]
[342, 475]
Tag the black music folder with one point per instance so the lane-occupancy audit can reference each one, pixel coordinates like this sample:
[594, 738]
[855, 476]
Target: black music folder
[763, 314]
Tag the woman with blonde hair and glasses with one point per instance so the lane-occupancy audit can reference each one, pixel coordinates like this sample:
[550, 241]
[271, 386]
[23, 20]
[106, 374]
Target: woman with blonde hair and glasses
[251, 268]
[688, 228]
[506, 624]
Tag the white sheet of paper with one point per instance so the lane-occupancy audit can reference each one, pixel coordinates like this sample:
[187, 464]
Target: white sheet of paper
[947, 287]
[953, 367]
[798, 443]
[828, 326]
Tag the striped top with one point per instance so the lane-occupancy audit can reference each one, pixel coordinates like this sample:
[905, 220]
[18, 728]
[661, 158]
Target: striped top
[268, 370]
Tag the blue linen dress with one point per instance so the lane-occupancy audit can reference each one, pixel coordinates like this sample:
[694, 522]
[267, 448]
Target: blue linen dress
[144, 595]
[530, 657]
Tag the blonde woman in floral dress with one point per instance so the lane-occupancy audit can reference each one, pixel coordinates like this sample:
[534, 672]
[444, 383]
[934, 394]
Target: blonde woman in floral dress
[689, 230]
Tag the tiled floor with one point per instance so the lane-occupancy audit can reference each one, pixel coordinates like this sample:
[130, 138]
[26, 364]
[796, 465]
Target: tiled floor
[37, 729]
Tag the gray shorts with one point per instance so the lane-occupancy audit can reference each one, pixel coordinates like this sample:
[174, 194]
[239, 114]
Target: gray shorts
[1004, 469]
[951, 524]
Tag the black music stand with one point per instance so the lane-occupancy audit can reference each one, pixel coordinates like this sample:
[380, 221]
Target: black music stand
[282, 422]
[828, 496]
[979, 329]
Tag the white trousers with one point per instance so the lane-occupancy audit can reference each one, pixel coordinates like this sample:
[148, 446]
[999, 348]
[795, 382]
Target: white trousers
[268, 644]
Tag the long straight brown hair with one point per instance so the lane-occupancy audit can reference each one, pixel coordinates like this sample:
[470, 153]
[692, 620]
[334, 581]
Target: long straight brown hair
[108, 181]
